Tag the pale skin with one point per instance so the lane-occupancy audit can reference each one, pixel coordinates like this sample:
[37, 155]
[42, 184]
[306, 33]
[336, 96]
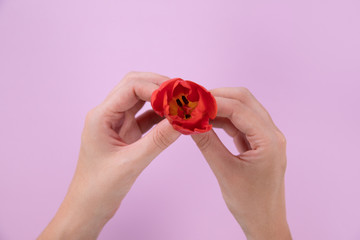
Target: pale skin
[114, 152]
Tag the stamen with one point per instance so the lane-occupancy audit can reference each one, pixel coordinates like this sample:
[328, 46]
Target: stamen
[187, 116]
[178, 102]
[185, 100]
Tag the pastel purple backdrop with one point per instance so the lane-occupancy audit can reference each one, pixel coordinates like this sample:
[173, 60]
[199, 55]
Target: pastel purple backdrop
[301, 59]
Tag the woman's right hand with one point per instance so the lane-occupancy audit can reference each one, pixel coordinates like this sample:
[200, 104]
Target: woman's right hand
[252, 183]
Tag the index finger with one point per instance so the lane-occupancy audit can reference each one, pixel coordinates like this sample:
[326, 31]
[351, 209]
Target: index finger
[245, 96]
[135, 86]
[243, 118]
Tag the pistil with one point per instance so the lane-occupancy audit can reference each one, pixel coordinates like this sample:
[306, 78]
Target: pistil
[186, 102]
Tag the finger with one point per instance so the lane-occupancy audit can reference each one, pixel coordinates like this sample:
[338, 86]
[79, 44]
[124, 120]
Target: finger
[243, 118]
[226, 124]
[129, 94]
[137, 86]
[241, 144]
[136, 108]
[245, 96]
[155, 78]
[129, 131]
[146, 120]
[153, 143]
[147, 76]
[216, 154]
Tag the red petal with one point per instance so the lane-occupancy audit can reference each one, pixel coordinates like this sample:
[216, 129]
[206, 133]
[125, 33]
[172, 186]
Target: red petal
[205, 109]
[158, 96]
[207, 103]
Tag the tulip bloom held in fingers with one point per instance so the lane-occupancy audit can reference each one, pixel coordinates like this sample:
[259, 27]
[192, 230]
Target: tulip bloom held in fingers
[187, 105]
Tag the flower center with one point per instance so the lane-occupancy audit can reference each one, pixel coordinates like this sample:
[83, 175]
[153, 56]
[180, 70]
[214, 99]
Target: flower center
[182, 107]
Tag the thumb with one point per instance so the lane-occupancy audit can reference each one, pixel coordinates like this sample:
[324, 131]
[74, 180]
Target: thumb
[156, 141]
[214, 151]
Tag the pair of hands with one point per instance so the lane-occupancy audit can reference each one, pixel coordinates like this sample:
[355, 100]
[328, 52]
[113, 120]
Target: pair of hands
[113, 153]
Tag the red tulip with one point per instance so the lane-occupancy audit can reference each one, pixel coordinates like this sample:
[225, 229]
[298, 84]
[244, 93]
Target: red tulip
[187, 105]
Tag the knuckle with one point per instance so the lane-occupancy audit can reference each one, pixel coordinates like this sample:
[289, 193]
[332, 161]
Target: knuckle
[280, 139]
[130, 76]
[160, 139]
[203, 142]
[90, 122]
[90, 115]
[244, 90]
[244, 93]
[93, 117]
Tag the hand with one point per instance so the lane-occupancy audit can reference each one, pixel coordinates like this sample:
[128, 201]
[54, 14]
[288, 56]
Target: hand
[252, 183]
[112, 155]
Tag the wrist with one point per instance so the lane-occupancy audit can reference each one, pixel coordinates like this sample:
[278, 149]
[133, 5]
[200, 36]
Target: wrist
[71, 222]
[263, 219]
[76, 218]
[265, 225]
[269, 230]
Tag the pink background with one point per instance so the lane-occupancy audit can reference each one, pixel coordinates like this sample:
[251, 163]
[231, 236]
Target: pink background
[301, 59]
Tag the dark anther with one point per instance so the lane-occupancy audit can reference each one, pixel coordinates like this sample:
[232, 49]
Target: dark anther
[179, 102]
[187, 116]
[185, 100]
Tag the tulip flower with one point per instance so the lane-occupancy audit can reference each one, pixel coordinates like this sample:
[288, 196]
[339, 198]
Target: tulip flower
[187, 105]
